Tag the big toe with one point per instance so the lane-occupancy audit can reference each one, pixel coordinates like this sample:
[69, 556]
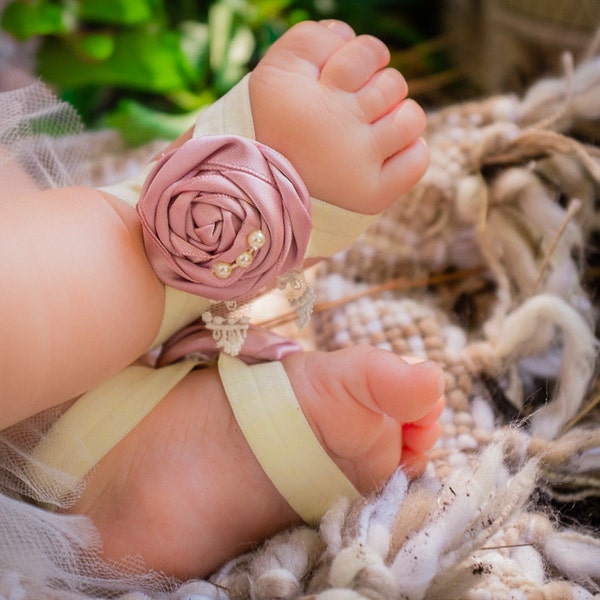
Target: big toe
[404, 391]
[350, 394]
[306, 47]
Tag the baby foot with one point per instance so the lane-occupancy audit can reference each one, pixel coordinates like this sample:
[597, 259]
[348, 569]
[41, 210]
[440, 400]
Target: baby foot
[324, 98]
[184, 491]
[389, 409]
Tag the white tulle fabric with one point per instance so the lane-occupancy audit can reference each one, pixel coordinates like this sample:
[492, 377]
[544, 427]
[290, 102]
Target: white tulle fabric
[40, 136]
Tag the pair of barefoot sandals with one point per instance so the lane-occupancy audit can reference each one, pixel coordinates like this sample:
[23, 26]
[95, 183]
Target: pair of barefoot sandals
[223, 218]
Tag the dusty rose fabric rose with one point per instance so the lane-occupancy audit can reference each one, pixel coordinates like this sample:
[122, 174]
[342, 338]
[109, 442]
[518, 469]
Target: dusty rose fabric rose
[202, 201]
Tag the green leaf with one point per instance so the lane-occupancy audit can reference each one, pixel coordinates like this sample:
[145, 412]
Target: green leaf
[97, 46]
[88, 100]
[267, 10]
[193, 42]
[231, 44]
[190, 101]
[25, 20]
[141, 60]
[117, 12]
[139, 124]
[239, 52]
[220, 23]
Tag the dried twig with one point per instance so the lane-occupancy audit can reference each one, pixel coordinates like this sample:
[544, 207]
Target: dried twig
[400, 283]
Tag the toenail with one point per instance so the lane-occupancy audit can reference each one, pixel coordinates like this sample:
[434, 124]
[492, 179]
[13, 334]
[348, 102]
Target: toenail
[339, 27]
[409, 111]
[403, 112]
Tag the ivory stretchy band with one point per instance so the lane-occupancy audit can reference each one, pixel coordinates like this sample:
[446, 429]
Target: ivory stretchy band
[283, 442]
[100, 419]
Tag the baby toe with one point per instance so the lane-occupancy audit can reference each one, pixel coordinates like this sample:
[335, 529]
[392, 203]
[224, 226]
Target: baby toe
[339, 27]
[402, 171]
[433, 415]
[386, 89]
[413, 463]
[399, 128]
[354, 64]
[420, 439]
[306, 47]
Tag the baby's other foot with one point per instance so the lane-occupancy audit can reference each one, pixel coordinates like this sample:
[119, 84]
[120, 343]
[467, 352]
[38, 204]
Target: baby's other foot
[371, 410]
[184, 491]
[326, 100]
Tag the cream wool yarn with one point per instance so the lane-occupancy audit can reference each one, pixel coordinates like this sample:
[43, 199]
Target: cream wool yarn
[491, 199]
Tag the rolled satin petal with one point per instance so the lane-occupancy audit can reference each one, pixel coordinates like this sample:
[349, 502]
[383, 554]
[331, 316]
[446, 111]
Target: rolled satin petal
[261, 345]
[202, 200]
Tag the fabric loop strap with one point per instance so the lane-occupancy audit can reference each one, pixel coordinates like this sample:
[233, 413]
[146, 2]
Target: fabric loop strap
[268, 413]
[101, 418]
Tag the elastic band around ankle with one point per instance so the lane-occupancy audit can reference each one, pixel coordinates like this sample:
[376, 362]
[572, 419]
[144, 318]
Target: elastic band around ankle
[266, 409]
[99, 420]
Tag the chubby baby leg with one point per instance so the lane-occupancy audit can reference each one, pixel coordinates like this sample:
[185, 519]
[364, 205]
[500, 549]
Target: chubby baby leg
[184, 490]
[79, 300]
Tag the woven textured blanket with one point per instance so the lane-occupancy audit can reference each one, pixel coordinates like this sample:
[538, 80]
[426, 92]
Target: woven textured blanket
[487, 267]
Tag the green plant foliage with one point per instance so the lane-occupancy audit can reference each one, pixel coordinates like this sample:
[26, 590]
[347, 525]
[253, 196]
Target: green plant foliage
[25, 20]
[149, 60]
[145, 66]
[231, 44]
[138, 123]
[118, 12]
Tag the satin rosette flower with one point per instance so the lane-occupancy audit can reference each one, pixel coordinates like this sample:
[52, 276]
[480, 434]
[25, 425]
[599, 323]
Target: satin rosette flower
[223, 217]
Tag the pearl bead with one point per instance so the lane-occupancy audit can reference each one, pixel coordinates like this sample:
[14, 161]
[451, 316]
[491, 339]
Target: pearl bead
[222, 270]
[244, 259]
[256, 239]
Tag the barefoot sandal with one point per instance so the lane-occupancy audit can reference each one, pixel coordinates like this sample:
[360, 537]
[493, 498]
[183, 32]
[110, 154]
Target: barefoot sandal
[260, 395]
[281, 439]
[263, 403]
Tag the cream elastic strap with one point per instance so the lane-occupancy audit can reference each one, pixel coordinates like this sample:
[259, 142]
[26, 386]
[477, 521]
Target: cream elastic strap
[283, 442]
[100, 419]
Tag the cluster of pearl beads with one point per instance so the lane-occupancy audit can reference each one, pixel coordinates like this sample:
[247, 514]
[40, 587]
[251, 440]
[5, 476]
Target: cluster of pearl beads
[256, 240]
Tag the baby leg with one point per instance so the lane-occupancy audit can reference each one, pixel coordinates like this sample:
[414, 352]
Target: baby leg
[321, 96]
[185, 491]
[79, 301]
